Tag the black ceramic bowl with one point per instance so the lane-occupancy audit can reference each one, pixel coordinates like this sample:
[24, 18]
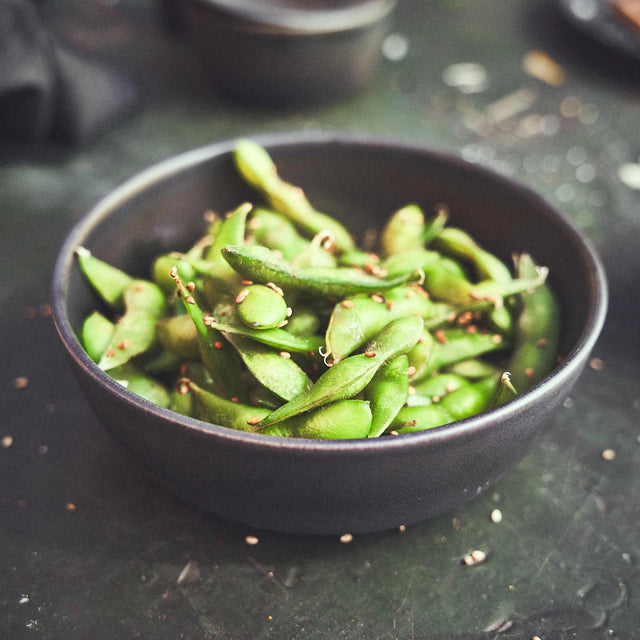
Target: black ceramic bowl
[285, 52]
[329, 487]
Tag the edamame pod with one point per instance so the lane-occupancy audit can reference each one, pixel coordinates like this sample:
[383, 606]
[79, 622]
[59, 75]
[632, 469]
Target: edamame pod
[262, 306]
[403, 231]
[457, 243]
[350, 376]
[108, 281]
[96, 334]
[260, 264]
[346, 419]
[271, 229]
[256, 166]
[219, 358]
[357, 319]
[537, 331]
[275, 370]
[387, 393]
[135, 331]
[136, 381]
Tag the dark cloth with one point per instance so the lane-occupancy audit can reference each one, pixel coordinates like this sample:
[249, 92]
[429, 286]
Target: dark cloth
[47, 90]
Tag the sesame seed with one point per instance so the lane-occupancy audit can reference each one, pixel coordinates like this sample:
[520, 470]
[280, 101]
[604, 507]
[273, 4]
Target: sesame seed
[346, 538]
[276, 288]
[6, 442]
[596, 364]
[496, 516]
[608, 454]
[252, 540]
[242, 296]
[21, 382]
[475, 557]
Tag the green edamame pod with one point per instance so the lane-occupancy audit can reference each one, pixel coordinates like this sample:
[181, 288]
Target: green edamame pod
[135, 331]
[473, 368]
[262, 307]
[316, 254]
[219, 358]
[414, 261]
[219, 280]
[108, 281]
[162, 265]
[232, 230]
[455, 242]
[258, 169]
[506, 391]
[260, 264]
[403, 231]
[420, 356]
[136, 381]
[346, 419]
[457, 405]
[453, 345]
[387, 393]
[182, 403]
[179, 335]
[304, 321]
[537, 331]
[444, 281]
[434, 227]
[271, 229]
[225, 320]
[419, 418]
[358, 318]
[433, 388]
[469, 399]
[350, 376]
[221, 411]
[275, 370]
[96, 334]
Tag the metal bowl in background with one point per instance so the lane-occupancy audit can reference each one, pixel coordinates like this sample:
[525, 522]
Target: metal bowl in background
[285, 52]
[324, 486]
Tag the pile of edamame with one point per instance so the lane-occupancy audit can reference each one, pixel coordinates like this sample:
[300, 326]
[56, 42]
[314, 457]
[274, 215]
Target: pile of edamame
[276, 322]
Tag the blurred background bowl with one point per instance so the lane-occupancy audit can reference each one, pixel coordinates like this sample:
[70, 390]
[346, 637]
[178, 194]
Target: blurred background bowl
[285, 52]
[330, 487]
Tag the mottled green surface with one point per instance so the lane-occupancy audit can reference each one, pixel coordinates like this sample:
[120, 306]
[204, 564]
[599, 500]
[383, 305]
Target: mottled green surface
[564, 560]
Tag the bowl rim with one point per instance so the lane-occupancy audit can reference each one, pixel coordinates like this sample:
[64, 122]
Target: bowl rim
[353, 15]
[564, 373]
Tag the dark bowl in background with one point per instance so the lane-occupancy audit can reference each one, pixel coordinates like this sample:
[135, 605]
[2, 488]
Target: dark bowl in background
[285, 52]
[330, 487]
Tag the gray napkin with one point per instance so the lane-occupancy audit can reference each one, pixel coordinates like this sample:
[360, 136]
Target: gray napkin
[48, 91]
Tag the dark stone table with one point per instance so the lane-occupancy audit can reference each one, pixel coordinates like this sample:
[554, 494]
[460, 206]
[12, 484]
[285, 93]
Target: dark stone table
[92, 548]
